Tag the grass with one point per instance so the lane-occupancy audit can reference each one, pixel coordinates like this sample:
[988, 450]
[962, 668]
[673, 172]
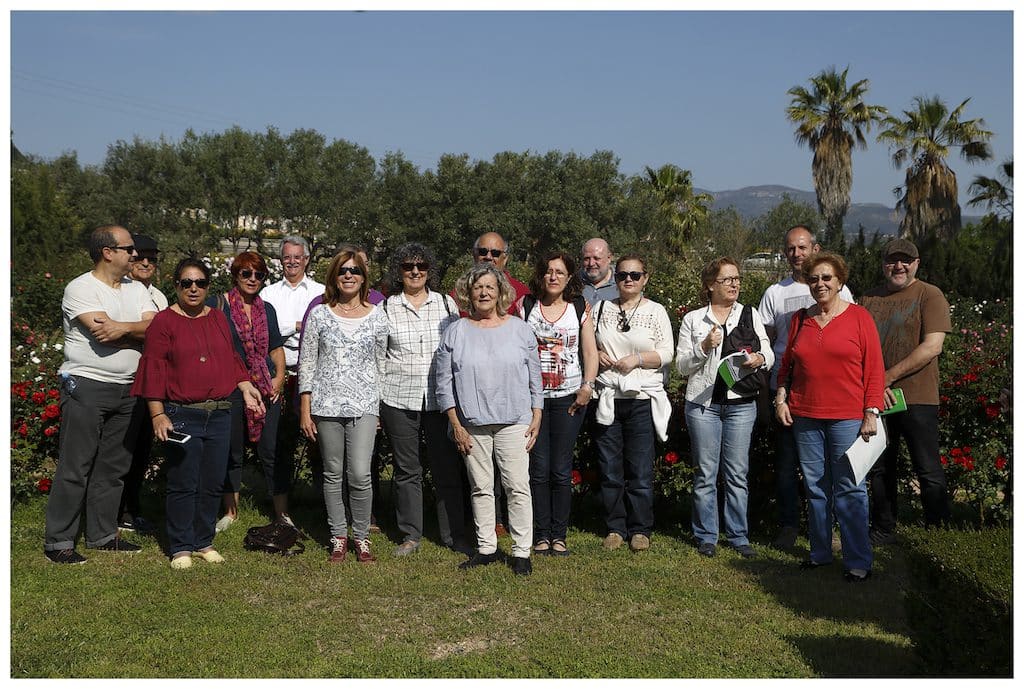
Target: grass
[664, 613]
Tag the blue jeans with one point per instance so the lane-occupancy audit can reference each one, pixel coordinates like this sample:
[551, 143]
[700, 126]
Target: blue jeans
[551, 468]
[720, 437]
[828, 477]
[625, 454]
[195, 476]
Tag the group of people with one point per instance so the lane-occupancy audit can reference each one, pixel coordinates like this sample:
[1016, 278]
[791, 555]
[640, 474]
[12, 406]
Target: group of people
[488, 388]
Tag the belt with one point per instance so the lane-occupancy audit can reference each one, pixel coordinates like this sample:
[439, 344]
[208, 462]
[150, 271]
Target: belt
[208, 405]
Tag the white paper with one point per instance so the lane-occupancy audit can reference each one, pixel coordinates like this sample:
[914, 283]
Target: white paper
[863, 455]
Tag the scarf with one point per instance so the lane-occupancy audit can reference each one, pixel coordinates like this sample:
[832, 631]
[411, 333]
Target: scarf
[255, 339]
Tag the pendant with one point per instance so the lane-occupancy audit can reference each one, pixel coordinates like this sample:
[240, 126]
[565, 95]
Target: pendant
[202, 359]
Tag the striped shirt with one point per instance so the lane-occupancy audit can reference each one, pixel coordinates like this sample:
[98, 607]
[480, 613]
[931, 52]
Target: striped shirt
[413, 335]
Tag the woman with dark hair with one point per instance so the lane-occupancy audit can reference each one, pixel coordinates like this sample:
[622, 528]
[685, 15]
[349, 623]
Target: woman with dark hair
[187, 374]
[561, 321]
[341, 364]
[719, 419]
[258, 341]
[830, 391]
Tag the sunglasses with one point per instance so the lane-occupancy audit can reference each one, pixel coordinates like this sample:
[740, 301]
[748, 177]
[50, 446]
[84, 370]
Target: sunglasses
[350, 270]
[633, 275]
[420, 266]
[128, 248]
[495, 253]
[152, 259]
[815, 279]
[186, 283]
[247, 273]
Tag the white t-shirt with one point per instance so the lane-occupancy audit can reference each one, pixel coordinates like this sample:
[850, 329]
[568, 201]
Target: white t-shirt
[84, 355]
[779, 303]
[558, 346]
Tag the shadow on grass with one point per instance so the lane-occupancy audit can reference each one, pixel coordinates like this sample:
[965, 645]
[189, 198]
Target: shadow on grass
[838, 657]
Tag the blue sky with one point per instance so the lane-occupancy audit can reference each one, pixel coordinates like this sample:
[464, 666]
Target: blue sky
[703, 90]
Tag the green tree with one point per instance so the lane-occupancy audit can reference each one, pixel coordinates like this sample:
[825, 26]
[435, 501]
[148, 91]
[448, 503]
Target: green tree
[769, 229]
[46, 234]
[995, 193]
[924, 137]
[832, 118]
[677, 201]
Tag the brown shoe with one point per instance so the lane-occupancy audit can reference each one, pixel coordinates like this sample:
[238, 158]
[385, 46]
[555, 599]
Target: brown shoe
[612, 541]
[362, 548]
[339, 549]
[639, 542]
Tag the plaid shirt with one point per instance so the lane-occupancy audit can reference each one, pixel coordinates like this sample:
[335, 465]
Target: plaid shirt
[413, 336]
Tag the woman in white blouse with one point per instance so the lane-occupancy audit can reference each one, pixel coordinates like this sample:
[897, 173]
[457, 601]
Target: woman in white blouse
[634, 339]
[718, 419]
[417, 315]
[340, 368]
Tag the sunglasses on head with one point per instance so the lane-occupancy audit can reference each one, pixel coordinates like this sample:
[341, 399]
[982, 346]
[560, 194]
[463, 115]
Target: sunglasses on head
[495, 253]
[633, 275]
[418, 265]
[186, 283]
[350, 270]
[247, 273]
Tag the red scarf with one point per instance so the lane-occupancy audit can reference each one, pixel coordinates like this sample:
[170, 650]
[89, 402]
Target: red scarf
[255, 339]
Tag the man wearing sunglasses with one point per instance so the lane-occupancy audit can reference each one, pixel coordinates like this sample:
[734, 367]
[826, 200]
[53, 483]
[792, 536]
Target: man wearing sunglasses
[491, 247]
[912, 318]
[105, 319]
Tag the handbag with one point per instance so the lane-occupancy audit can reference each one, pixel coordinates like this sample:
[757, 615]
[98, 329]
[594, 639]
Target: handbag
[277, 538]
[743, 337]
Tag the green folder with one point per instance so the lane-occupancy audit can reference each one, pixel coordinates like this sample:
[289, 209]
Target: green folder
[901, 402]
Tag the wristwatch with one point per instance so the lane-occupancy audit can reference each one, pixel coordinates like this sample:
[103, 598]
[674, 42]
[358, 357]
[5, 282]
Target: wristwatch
[873, 410]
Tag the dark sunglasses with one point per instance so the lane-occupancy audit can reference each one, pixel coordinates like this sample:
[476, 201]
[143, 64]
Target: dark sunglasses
[633, 275]
[247, 273]
[815, 279]
[152, 259]
[128, 249]
[420, 266]
[350, 270]
[495, 253]
[186, 283]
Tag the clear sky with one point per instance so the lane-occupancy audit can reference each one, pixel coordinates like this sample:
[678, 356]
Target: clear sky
[703, 90]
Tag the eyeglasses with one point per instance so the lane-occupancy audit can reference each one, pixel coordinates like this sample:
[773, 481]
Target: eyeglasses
[495, 253]
[128, 248]
[633, 275]
[247, 273]
[734, 280]
[186, 283]
[815, 279]
[293, 259]
[557, 273]
[152, 259]
[418, 265]
[350, 270]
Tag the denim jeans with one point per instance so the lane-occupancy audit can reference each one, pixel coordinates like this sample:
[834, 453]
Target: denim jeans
[919, 426]
[720, 437]
[828, 477]
[625, 454]
[346, 445]
[195, 476]
[551, 468]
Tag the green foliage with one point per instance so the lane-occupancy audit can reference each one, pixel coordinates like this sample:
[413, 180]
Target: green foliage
[769, 229]
[959, 600]
[977, 262]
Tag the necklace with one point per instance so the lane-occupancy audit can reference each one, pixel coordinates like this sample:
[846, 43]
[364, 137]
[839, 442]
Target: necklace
[344, 309]
[204, 346]
[623, 320]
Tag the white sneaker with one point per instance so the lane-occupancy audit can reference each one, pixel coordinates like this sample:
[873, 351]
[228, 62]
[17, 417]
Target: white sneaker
[223, 523]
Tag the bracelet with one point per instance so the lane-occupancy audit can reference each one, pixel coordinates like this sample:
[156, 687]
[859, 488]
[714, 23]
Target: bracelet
[163, 413]
[639, 360]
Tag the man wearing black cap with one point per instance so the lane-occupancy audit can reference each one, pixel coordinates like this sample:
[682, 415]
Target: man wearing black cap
[144, 267]
[912, 318]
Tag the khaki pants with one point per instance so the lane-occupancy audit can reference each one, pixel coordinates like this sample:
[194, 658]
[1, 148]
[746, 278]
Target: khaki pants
[507, 446]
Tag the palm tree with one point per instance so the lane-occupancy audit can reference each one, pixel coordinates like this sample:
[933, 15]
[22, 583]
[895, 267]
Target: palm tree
[832, 118]
[995, 193]
[676, 200]
[924, 136]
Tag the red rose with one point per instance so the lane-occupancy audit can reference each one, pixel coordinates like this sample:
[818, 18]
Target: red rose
[44, 485]
[54, 394]
[49, 431]
[39, 397]
[969, 465]
[956, 452]
[967, 449]
[23, 430]
[577, 477]
[52, 411]
[991, 411]
[1000, 462]
[671, 457]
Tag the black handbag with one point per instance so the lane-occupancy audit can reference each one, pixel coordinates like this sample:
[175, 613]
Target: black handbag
[277, 538]
[743, 337]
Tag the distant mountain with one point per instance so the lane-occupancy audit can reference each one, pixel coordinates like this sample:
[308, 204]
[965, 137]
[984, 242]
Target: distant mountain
[751, 202]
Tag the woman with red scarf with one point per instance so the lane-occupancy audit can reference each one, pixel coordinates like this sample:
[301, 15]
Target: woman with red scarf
[258, 341]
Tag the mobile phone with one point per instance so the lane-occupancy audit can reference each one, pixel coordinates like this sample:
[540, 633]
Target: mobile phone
[178, 437]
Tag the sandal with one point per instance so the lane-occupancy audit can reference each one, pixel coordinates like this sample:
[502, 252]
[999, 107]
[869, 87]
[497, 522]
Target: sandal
[559, 548]
[542, 547]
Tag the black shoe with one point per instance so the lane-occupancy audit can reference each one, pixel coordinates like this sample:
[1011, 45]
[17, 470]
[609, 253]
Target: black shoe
[69, 556]
[522, 566]
[854, 576]
[811, 564]
[706, 549]
[126, 522]
[882, 537]
[118, 546]
[745, 550]
[479, 559]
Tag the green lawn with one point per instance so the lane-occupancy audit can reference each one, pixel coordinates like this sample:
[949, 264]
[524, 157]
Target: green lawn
[664, 613]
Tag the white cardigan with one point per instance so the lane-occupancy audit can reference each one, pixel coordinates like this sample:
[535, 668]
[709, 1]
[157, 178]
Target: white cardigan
[702, 368]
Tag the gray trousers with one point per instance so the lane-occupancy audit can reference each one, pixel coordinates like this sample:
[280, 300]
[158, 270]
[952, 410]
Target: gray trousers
[346, 446]
[441, 457]
[504, 447]
[94, 457]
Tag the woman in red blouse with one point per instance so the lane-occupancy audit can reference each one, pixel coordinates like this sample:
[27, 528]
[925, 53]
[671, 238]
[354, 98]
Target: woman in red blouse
[830, 391]
[188, 370]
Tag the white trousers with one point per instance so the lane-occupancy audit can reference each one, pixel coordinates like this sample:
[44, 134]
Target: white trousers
[504, 446]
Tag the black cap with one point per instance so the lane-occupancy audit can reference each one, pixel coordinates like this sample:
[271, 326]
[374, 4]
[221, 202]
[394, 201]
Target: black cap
[145, 244]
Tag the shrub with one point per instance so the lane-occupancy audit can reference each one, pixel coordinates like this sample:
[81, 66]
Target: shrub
[35, 408]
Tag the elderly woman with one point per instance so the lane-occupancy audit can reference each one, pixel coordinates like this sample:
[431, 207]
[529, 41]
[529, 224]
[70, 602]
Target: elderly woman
[258, 341]
[489, 385]
[634, 339]
[830, 391]
[720, 420]
[341, 363]
[417, 316]
[562, 323]
[187, 374]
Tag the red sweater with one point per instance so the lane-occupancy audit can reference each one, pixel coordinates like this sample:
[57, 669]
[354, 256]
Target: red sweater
[837, 370]
[170, 368]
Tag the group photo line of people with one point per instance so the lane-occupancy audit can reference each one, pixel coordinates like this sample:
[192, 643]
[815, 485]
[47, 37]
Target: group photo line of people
[489, 390]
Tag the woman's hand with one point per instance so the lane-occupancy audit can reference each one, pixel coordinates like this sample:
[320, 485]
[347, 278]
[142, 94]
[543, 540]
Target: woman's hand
[251, 397]
[713, 339]
[533, 429]
[604, 360]
[783, 415]
[755, 360]
[583, 396]
[628, 363]
[306, 425]
[276, 388]
[869, 426]
[463, 440]
[162, 426]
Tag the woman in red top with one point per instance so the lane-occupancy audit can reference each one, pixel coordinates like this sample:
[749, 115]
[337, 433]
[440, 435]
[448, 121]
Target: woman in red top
[833, 373]
[187, 371]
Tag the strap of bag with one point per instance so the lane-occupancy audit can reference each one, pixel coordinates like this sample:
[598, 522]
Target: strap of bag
[792, 340]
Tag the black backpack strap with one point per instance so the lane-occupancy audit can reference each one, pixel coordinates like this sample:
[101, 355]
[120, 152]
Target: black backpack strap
[581, 307]
[529, 301]
[597, 321]
[447, 308]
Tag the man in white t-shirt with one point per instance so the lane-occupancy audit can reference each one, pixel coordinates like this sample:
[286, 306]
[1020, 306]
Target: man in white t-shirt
[105, 319]
[779, 303]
